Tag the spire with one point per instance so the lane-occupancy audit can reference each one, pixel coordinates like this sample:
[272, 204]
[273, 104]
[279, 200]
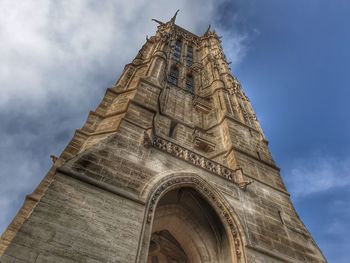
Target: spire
[174, 17]
[172, 20]
[157, 21]
[208, 29]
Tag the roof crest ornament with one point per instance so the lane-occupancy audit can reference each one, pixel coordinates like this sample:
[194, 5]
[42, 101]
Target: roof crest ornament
[157, 21]
[174, 17]
[208, 29]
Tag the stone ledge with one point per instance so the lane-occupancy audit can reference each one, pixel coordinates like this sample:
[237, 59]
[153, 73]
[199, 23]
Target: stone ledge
[101, 185]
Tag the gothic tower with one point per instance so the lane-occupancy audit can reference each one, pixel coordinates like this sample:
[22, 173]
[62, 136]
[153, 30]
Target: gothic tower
[171, 167]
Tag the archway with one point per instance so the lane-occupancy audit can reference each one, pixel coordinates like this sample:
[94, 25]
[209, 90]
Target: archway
[190, 222]
[187, 230]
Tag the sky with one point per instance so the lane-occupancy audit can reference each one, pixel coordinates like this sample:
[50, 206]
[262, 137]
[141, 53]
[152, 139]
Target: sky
[292, 58]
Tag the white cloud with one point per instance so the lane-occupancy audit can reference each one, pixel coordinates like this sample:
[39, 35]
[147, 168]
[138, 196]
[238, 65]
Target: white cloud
[317, 174]
[235, 45]
[19, 173]
[51, 48]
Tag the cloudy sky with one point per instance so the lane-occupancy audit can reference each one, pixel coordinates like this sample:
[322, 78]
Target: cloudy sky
[292, 58]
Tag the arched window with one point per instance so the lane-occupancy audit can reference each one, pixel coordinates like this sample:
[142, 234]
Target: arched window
[177, 50]
[173, 75]
[189, 56]
[189, 83]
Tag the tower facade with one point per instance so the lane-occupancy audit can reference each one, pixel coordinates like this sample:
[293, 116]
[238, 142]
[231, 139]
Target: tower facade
[171, 167]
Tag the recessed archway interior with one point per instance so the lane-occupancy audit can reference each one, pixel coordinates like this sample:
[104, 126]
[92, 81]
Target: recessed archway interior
[186, 229]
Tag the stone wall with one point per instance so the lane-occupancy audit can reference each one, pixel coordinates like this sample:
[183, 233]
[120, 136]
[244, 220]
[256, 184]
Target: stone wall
[77, 222]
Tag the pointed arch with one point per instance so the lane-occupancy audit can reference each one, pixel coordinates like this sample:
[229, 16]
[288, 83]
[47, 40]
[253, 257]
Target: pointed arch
[225, 214]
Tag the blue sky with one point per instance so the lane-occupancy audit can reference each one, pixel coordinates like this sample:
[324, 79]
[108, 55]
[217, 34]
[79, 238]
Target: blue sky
[296, 72]
[292, 58]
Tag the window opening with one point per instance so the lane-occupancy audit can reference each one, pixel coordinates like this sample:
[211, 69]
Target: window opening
[189, 83]
[177, 50]
[189, 55]
[173, 76]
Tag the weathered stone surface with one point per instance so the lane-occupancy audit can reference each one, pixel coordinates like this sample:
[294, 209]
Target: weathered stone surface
[76, 222]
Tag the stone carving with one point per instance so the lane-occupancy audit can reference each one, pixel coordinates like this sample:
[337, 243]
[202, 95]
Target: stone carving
[54, 158]
[201, 104]
[188, 37]
[203, 140]
[225, 211]
[129, 71]
[147, 142]
[218, 53]
[205, 78]
[164, 32]
[249, 118]
[209, 35]
[195, 159]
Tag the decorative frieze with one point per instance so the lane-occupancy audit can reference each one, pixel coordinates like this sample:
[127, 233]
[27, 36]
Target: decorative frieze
[187, 36]
[205, 78]
[196, 159]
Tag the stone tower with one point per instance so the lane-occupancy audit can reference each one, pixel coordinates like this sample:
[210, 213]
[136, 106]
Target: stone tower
[171, 167]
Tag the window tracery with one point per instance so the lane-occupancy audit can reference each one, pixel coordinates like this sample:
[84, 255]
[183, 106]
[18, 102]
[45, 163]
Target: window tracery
[189, 56]
[173, 75]
[177, 50]
[189, 83]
